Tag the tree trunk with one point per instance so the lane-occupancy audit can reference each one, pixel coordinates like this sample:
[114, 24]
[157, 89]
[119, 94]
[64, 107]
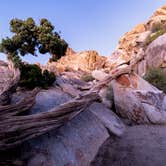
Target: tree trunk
[16, 129]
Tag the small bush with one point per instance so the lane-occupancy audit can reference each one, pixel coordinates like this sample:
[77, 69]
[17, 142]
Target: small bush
[32, 76]
[157, 77]
[157, 26]
[110, 94]
[154, 36]
[87, 78]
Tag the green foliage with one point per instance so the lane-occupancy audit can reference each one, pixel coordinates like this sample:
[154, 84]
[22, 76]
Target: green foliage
[157, 77]
[29, 38]
[157, 26]
[154, 36]
[87, 78]
[110, 94]
[32, 76]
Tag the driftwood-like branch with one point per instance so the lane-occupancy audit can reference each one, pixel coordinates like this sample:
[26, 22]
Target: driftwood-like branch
[17, 129]
[20, 107]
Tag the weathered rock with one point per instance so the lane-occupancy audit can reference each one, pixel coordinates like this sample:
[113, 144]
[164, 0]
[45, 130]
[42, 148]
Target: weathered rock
[77, 142]
[9, 78]
[47, 99]
[139, 101]
[99, 74]
[157, 19]
[134, 43]
[69, 51]
[141, 145]
[108, 118]
[85, 61]
[67, 87]
[74, 144]
[105, 97]
[155, 54]
[143, 37]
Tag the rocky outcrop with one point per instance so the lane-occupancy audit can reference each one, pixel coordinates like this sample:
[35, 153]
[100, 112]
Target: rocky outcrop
[9, 78]
[140, 41]
[155, 54]
[85, 61]
[137, 100]
[78, 141]
[158, 18]
[69, 51]
[99, 74]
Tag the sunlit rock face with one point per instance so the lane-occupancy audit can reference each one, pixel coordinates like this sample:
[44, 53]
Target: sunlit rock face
[159, 16]
[85, 61]
[134, 43]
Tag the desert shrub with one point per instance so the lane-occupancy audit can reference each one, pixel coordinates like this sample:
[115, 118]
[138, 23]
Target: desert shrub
[110, 94]
[154, 36]
[87, 78]
[48, 78]
[157, 77]
[32, 76]
[156, 27]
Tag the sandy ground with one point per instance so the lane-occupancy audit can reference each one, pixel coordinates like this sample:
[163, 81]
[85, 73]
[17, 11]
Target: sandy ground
[142, 145]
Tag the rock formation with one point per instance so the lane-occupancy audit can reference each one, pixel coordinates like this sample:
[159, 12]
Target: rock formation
[9, 78]
[135, 42]
[78, 110]
[86, 61]
[137, 100]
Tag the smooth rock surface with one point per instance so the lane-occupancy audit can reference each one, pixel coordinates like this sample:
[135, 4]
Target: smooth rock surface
[77, 142]
[141, 145]
[110, 120]
[156, 53]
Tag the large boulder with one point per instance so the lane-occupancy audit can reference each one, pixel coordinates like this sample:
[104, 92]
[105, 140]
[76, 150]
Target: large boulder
[155, 54]
[138, 101]
[75, 143]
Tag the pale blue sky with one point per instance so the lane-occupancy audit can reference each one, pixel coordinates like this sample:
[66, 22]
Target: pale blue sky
[85, 24]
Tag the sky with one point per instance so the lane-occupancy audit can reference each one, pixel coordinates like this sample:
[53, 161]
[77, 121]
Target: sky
[84, 24]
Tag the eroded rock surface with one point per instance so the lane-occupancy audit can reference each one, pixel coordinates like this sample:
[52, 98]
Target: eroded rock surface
[156, 53]
[85, 61]
[141, 145]
[135, 43]
[137, 100]
[9, 76]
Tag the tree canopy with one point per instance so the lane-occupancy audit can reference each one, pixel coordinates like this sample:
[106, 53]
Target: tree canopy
[30, 38]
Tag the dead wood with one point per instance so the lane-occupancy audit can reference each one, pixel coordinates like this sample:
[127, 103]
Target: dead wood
[16, 129]
[16, 109]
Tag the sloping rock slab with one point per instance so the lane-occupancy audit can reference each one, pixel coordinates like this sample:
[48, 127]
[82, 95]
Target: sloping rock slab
[109, 119]
[47, 99]
[74, 144]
